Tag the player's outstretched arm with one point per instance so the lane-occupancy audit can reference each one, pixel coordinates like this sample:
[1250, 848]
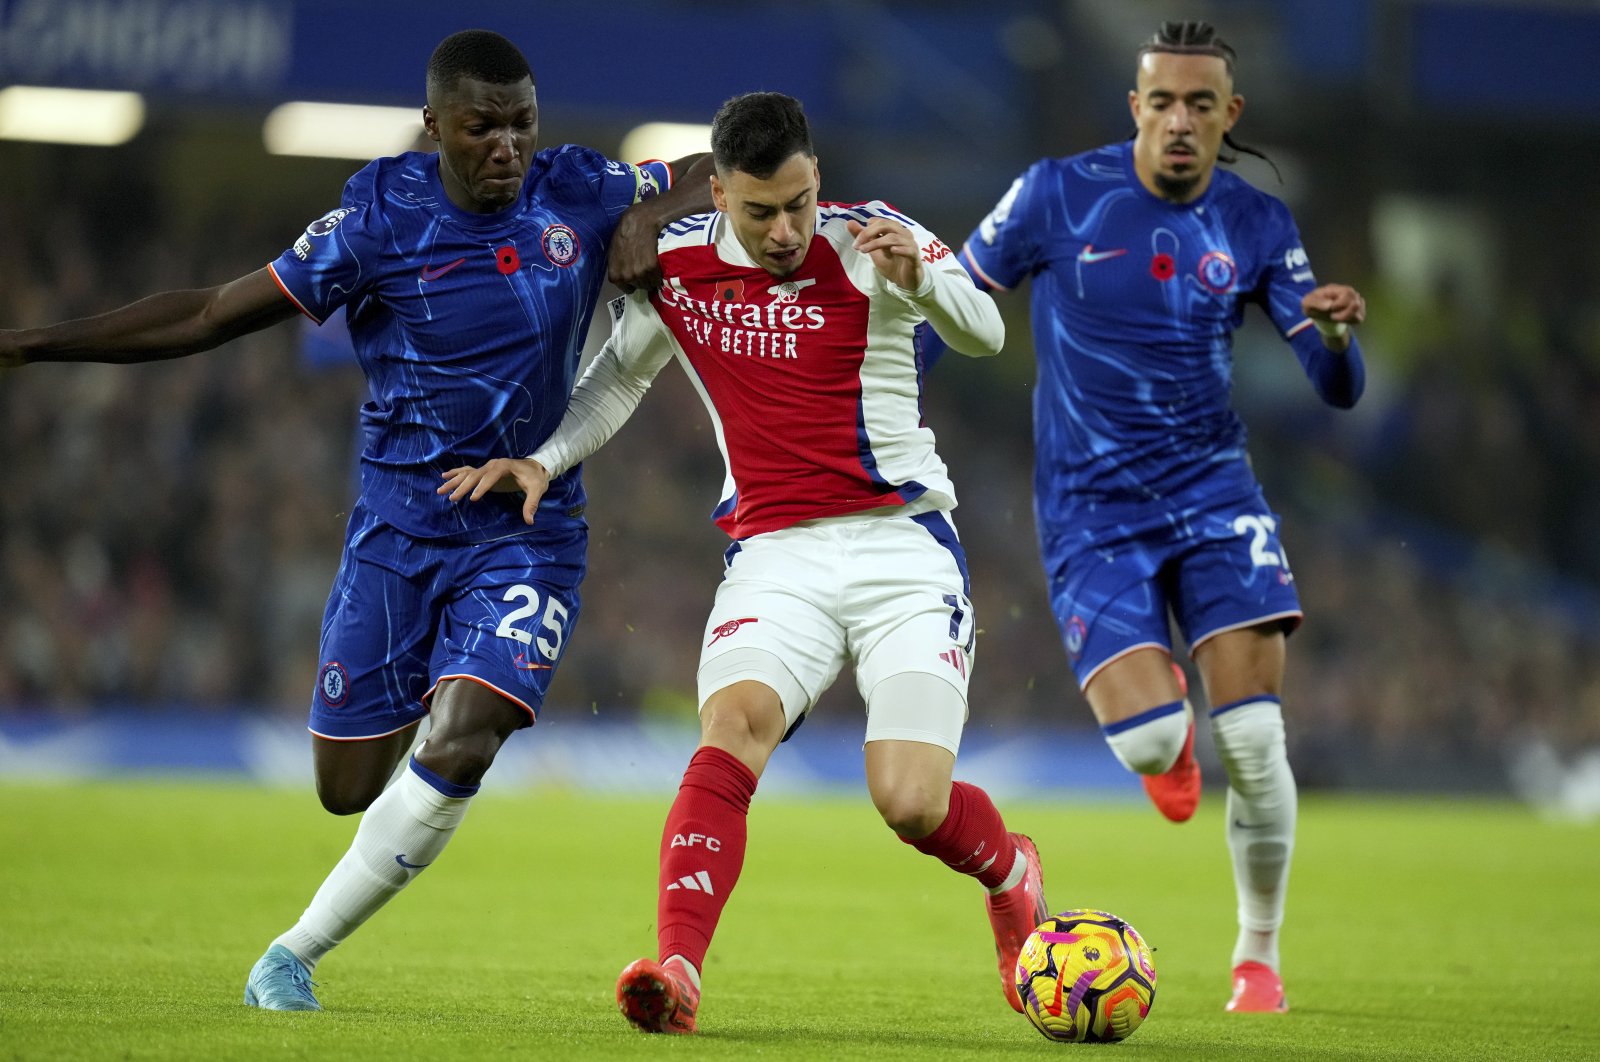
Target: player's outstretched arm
[632, 262]
[169, 325]
[504, 474]
[605, 397]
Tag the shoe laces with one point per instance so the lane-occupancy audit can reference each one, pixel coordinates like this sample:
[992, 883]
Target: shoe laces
[298, 977]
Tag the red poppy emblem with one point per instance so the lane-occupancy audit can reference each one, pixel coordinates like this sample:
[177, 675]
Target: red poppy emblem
[507, 260]
[1162, 267]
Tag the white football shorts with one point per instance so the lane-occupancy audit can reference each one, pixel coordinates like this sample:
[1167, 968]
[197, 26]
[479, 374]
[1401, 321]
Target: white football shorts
[888, 592]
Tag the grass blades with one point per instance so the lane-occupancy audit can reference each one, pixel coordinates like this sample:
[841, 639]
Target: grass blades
[131, 912]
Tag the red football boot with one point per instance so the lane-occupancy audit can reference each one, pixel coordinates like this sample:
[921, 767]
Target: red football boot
[658, 997]
[1014, 914]
[1257, 989]
[1176, 791]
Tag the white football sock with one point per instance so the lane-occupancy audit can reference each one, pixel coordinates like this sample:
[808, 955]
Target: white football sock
[688, 968]
[412, 820]
[1149, 743]
[1262, 803]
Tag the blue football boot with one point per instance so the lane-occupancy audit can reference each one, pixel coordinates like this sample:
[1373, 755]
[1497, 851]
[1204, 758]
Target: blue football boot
[279, 981]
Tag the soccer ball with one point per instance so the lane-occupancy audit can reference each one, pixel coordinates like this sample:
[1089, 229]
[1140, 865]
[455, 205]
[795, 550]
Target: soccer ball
[1086, 976]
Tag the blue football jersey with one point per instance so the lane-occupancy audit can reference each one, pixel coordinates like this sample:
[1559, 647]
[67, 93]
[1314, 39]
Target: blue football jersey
[468, 326]
[1134, 303]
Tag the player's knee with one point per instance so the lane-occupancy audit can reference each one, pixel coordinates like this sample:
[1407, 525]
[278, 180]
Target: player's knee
[1251, 743]
[909, 790]
[744, 727]
[913, 812]
[344, 796]
[460, 756]
[1155, 758]
[1150, 742]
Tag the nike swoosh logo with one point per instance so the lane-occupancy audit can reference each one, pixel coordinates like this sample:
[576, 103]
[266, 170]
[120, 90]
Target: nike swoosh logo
[435, 274]
[410, 866]
[521, 664]
[1090, 255]
[1251, 826]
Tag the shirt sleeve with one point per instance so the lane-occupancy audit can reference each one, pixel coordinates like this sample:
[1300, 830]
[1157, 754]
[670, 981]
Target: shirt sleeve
[331, 262]
[612, 386]
[1286, 275]
[1004, 248]
[965, 318]
[1338, 377]
[622, 184]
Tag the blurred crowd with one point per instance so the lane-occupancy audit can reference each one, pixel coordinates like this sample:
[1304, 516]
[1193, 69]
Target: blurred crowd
[168, 532]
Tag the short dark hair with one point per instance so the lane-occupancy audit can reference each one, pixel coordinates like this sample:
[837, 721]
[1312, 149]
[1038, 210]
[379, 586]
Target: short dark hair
[1189, 38]
[481, 55]
[759, 131]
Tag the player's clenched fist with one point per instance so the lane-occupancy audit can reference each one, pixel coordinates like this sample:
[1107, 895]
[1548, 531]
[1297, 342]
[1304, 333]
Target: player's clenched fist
[1334, 302]
[893, 249]
[1333, 308]
[504, 474]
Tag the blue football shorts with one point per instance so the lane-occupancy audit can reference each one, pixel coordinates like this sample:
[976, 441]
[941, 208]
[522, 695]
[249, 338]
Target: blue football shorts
[1113, 586]
[406, 613]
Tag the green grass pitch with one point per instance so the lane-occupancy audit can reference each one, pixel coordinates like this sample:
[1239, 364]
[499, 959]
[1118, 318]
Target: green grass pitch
[130, 913]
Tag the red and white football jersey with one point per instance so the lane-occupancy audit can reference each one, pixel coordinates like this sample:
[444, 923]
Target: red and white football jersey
[812, 380]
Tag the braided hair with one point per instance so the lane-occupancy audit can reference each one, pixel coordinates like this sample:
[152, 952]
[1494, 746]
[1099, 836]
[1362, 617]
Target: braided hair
[1200, 38]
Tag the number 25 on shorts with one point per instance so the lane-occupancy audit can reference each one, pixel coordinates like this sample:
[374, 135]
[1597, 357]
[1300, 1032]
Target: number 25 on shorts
[547, 636]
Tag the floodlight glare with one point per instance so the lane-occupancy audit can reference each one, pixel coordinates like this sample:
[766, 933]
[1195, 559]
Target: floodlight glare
[665, 140]
[341, 130]
[69, 116]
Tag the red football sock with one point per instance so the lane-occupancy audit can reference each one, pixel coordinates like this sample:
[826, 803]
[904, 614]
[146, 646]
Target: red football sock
[972, 838]
[702, 852]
